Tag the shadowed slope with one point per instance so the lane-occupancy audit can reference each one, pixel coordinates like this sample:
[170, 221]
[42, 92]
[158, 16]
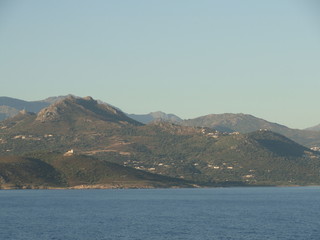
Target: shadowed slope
[28, 172]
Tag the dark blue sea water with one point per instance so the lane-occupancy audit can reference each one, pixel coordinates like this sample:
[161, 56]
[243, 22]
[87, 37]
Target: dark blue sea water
[287, 213]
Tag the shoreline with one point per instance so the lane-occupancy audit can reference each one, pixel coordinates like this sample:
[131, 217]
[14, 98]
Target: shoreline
[118, 186]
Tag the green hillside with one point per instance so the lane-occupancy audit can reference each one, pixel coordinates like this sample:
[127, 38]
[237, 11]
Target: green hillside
[245, 123]
[22, 172]
[262, 157]
[108, 145]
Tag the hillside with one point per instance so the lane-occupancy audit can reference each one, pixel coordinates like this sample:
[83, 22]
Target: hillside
[230, 122]
[155, 116]
[22, 172]
[227, 122]
[245, 123]
[314, 128]
[75, 171]
[9, 107]
[100, 134]
[68, 116]
[211, 157]
[18, 104]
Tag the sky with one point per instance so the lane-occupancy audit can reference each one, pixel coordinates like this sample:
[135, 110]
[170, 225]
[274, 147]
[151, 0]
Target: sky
[190, 58]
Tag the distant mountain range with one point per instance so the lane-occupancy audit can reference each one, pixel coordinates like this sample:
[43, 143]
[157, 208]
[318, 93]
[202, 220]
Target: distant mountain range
[315, 128]
[155, 116]
[81, 143]
[228, 122]
[245, 123]
[10, 107]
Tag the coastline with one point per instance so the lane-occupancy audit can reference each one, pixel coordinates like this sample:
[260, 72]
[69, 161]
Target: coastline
[138, 186]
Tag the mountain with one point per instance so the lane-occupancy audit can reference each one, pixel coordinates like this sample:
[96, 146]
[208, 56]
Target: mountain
[81, 139]
[230, 122]
[245, 123]
[211, 157]
[34, 106]
[155, 116]
[314, 128]
[36, 142]
[7, 112]
[68, 116]
[70, 109]
[51, 100]
[10, 107]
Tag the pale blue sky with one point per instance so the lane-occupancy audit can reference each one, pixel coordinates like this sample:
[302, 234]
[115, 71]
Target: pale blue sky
[190, 58]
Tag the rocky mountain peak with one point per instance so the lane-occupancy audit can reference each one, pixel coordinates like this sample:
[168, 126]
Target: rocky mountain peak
[72, 108]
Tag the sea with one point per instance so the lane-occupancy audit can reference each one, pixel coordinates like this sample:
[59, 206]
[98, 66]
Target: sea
[240, 213]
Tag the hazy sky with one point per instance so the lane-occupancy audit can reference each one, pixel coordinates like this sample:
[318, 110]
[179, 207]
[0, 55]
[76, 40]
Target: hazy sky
[190, 58]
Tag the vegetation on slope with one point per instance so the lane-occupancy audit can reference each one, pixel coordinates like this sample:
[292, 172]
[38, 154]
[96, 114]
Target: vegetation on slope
[245, 123]
[22, 172]
[100, 135]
